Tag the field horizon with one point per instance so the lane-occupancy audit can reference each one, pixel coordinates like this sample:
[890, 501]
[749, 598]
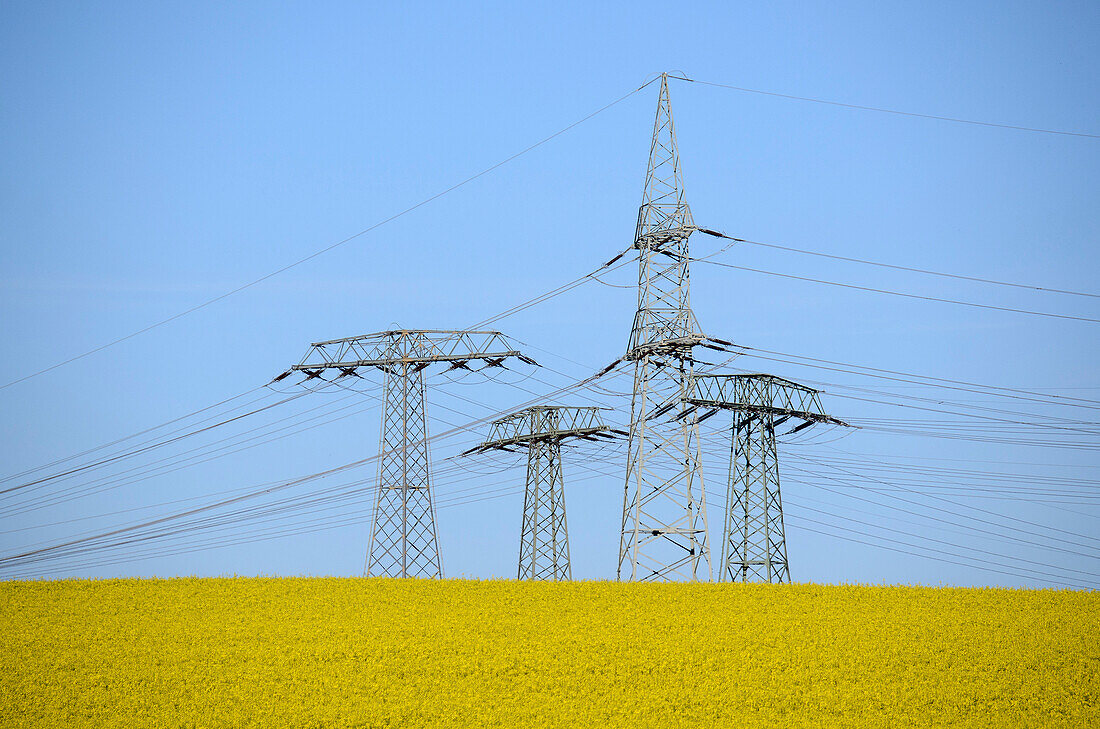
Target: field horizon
[501, 578]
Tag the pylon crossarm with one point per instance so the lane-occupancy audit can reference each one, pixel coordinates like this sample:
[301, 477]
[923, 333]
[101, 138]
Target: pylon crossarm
[414, 348]
[545, 423]
[404, 541]
[781, 413]
[760, 394]
[502, 445]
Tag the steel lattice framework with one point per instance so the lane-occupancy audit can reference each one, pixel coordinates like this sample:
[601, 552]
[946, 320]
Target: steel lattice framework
[754, 548]
[404, 541]
[544, 537]
[664, 525]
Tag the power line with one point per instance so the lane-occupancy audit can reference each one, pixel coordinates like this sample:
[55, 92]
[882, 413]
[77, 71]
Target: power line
[74, 456]
[1096, 550]
[511, 384]
[923, 537]
[1062, 445]
[541, 298]
[883, 110]
[911, 269]
[226, 514]
[966, 480]
[908, 377]
[976, 416]
[903, 294]
[1054, 423]
[137, 451]
[66, 546]
[480, 499]
[150, 470]
[149, 474]
[927, 538]
[259, 510]
[330, 247]
[327, 524]
[977, 481]
[929, 549]
[591, 275]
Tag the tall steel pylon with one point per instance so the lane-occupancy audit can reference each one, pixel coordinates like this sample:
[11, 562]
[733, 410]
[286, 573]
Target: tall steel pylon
[544, 535]
[664, 525]
[754, 546]
[404, 541]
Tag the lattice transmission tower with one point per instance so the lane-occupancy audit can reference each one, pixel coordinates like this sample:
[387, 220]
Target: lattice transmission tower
[754, 547]
[664, 525]
[544, 536]
[404, 541]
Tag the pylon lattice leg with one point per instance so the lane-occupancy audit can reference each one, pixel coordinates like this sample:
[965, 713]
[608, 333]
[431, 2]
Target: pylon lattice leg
[664, 531]
[664, 526]
[754, 547]
[544, 539]
[403, 541]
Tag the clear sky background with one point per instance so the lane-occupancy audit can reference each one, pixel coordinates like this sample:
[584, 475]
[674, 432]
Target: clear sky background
[157, 155]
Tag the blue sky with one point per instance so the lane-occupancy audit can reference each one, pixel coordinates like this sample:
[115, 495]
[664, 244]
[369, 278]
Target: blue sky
[159, 155]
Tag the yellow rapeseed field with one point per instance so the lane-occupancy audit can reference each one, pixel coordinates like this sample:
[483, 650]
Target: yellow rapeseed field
[387, 653]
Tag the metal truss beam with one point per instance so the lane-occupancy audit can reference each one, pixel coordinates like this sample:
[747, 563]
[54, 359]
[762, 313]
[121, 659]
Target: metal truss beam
[754, 545]
[761, 394]
[410, 346]
[664, 524]
[544, 536]
[545, 422]
[404, 541]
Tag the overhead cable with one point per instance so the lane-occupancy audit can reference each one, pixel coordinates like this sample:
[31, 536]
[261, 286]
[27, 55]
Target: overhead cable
[883, 110]
[330, 247]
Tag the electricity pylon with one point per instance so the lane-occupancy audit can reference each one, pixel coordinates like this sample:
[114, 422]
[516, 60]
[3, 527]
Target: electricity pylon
[664, 526]
[754, 548]
[403, 538]
[544, 536]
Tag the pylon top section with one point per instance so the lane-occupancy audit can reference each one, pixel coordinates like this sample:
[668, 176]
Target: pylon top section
[663, 211]
[415, 348]
[759, 394]
[664, 325]
[546, 423]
